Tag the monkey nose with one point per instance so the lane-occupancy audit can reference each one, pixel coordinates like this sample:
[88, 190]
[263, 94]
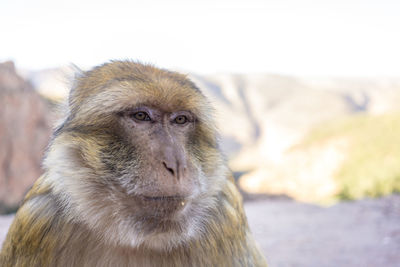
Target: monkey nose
[171, 169]
[175, 168]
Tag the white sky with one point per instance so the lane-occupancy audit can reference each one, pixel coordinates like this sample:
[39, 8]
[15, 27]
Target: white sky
[352, 38]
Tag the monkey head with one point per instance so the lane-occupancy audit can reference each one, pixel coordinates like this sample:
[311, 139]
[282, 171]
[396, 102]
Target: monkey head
[136, 159]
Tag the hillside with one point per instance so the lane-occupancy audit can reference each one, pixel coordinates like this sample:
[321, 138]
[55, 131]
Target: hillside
[372, 156]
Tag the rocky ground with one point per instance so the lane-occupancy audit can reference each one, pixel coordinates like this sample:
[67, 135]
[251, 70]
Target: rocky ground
[5, 221]
[362, 233]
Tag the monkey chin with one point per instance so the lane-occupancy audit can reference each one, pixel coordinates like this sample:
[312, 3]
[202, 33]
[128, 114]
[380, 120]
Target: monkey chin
[170, 226]
[177, 235]
[159, 223]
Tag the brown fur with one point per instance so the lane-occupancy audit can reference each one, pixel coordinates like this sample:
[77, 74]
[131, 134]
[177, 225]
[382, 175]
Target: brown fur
[84, 210]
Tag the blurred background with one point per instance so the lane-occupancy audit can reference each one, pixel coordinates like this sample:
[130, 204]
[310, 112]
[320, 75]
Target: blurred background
[306, 94]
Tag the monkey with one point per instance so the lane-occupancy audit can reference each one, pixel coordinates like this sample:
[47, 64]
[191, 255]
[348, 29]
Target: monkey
[133, 176]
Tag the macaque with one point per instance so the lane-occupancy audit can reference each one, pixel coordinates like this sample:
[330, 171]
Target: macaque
[133, 176]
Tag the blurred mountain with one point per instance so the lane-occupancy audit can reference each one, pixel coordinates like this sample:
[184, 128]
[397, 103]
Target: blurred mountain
[25, 127]
[263, 118]
[267, 114]
[53, 83]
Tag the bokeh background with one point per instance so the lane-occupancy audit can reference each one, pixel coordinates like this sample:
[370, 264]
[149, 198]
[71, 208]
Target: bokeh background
[306, 96]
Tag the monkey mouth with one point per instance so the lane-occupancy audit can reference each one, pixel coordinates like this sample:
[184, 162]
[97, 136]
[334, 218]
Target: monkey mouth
[164, 198]
[172, 201]
[162, 206]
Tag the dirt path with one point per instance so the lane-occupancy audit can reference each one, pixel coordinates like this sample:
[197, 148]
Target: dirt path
[5, 222]
[362, 233]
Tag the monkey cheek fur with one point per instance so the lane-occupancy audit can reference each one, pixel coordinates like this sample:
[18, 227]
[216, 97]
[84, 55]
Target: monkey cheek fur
[122, 219]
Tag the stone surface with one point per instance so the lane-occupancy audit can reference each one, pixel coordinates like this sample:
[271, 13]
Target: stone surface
[25, 127]
[359, 233]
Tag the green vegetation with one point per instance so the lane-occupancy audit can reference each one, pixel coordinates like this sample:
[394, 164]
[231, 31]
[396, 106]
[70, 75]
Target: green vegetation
[372, 161]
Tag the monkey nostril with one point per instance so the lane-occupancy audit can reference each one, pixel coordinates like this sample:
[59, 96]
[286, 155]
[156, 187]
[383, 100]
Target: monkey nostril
[169, 169]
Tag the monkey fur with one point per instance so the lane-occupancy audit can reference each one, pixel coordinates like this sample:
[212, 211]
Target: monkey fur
[133, 176]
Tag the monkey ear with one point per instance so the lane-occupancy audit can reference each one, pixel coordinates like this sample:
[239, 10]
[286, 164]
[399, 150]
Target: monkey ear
[78, 73]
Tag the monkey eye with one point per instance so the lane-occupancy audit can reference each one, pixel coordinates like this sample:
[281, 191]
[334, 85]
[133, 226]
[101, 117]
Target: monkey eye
[181, 119]
[141, 116]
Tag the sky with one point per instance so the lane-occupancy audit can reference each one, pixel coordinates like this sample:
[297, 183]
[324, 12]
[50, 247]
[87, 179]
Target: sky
[296, 37]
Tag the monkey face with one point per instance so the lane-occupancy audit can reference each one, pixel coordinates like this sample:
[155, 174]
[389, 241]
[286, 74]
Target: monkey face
[156, 176]
[139, 156]
[161, 138]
